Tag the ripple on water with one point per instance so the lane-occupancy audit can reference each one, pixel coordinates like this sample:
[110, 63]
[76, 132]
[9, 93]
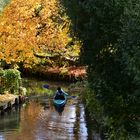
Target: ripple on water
[52, 125]
[39, 120]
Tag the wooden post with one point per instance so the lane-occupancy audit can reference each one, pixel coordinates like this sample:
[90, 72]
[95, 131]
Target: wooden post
[9, 106]
[16, 101]
[2, 110]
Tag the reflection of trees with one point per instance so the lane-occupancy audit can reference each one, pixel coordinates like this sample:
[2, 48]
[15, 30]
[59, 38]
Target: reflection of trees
[49, 125]
[93, 129]
[29, 117]
[77, 123]
[37, 123]
[10, 120]
[80, 130]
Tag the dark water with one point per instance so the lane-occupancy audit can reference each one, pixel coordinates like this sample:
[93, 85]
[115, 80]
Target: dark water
[39, 120]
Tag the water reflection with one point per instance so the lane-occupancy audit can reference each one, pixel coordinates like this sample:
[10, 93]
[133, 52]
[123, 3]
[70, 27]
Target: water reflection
[59, 109]
[38, 119]
[52, 125]
[36, 123]
[10, 120]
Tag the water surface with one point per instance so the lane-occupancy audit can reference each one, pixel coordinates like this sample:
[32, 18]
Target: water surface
[38, 119]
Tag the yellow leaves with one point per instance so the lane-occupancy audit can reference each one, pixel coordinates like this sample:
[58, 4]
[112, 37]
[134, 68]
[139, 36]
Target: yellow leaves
[22, 32]
[17, 36]
[1, 55]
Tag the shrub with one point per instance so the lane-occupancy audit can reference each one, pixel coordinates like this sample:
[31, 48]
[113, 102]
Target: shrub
[9, 80]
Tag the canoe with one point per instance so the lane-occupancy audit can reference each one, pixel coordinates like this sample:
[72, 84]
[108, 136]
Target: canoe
[60, 100]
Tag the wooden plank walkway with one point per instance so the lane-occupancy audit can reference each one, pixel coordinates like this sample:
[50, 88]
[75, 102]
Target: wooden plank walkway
[7, 101]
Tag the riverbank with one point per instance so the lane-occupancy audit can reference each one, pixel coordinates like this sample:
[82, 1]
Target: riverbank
[69, 74]
[8, 100]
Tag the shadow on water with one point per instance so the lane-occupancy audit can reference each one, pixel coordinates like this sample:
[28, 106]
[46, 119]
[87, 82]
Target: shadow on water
[38, 119]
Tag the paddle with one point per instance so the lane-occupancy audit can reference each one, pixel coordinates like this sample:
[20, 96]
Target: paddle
[73, 97]
[46, 86]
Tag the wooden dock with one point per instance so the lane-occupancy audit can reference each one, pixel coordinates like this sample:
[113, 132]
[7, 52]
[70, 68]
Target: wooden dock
[7, 101]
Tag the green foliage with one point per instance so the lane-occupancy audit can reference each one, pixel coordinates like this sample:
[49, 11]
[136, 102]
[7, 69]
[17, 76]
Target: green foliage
[93, 106]
[37, 10]
[2, 80]
[35, 87]
[3, 3]
[111, 49]
[45, 34]
[10, 80]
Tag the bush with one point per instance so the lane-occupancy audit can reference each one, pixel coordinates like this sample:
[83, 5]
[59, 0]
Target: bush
[9, 80]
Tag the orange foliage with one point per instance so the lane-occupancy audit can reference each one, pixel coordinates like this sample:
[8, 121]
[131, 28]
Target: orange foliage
[29, 26]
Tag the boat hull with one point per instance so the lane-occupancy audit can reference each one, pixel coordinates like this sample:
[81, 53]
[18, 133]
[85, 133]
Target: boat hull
[59, 102]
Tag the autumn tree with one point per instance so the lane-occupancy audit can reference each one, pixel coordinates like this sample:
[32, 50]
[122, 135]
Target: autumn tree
[31, 27]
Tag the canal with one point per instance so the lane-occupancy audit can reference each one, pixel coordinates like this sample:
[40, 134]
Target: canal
[38, 119]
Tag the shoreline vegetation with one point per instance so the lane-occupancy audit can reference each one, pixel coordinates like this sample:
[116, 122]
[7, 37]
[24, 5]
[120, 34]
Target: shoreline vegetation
[50, 39]
[11, 90]
[69, 74]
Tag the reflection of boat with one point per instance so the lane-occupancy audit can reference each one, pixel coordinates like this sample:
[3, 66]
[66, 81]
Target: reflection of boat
[59, 100]
[59, 109]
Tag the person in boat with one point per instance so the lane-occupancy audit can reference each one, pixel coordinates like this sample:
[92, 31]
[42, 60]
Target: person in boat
[60, 93]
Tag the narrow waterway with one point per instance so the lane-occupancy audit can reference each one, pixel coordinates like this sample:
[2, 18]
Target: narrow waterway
[38, 119]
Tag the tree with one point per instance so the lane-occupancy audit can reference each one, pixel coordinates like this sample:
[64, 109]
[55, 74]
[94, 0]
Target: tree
[35, 26]
[109, 32]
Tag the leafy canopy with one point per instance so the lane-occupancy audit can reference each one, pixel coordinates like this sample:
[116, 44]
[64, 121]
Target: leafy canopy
[35, 26]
